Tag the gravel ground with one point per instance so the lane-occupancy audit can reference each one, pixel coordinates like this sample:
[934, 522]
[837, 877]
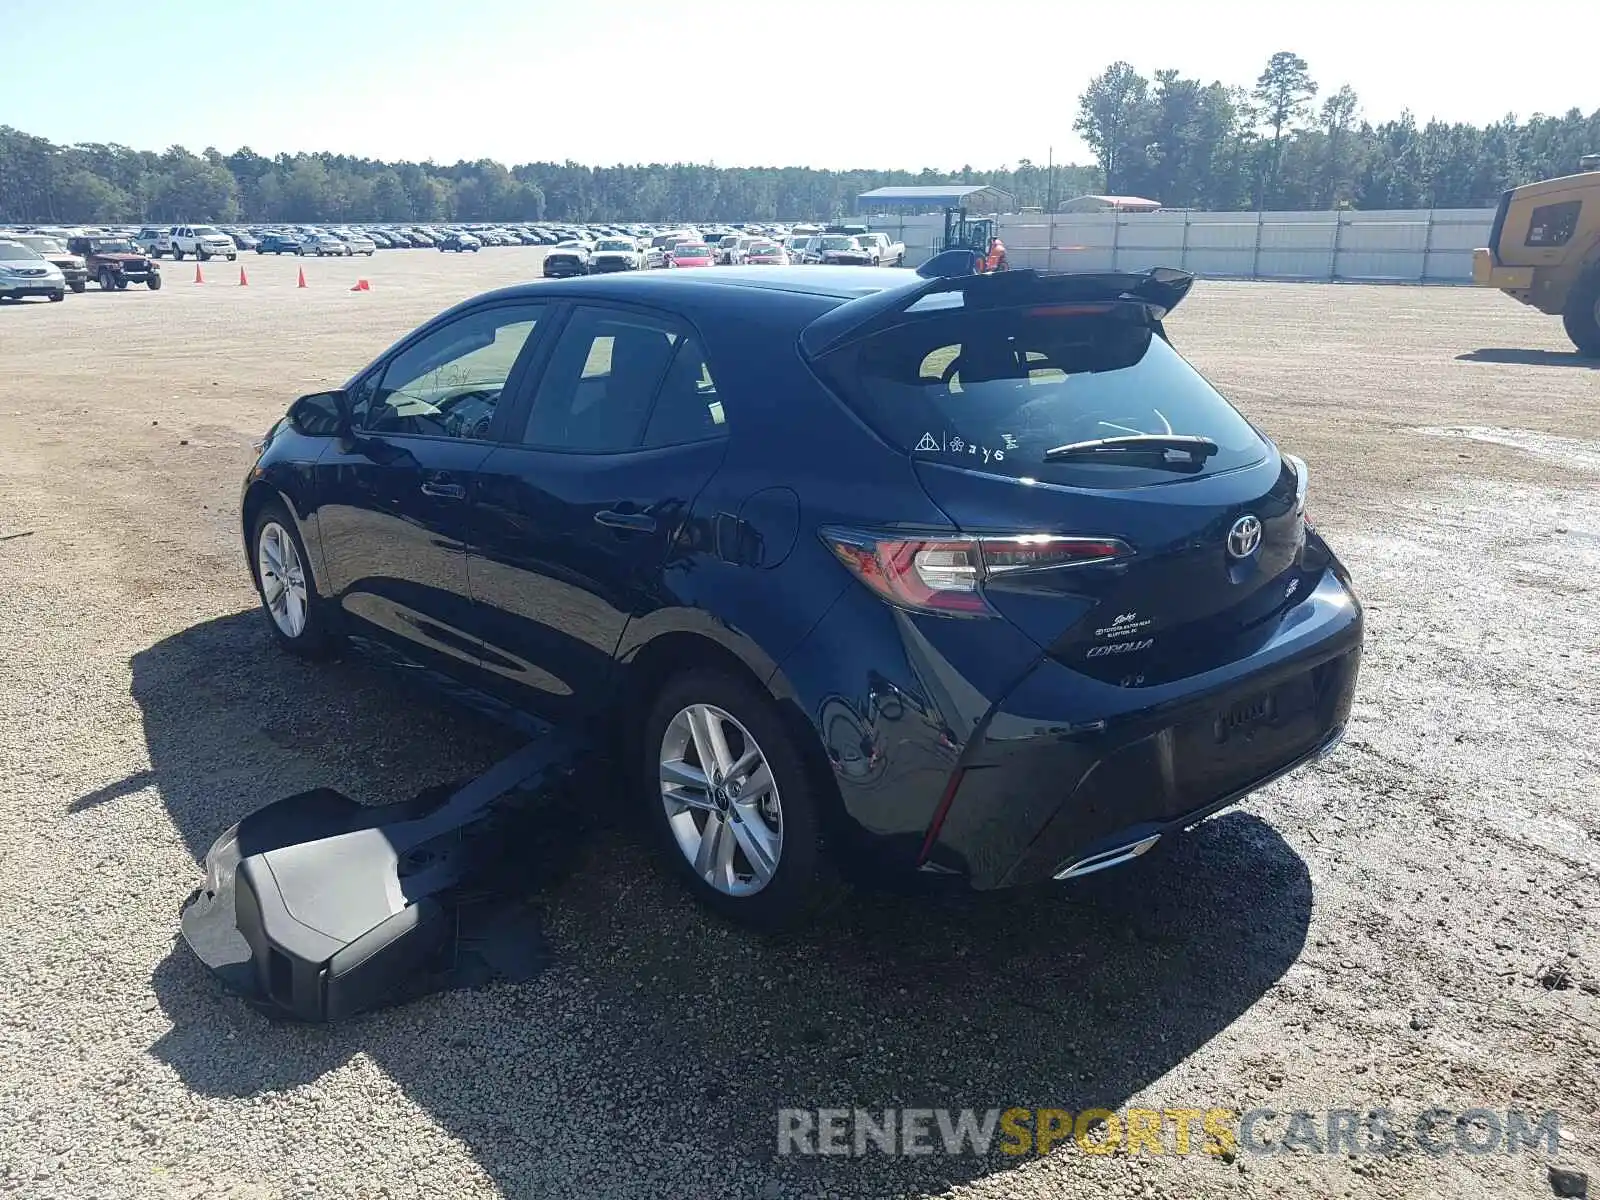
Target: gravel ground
[1414, 922]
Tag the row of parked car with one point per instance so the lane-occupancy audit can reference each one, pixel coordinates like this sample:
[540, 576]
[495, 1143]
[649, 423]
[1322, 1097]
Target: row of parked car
[50, 261]
[585, 255]
[37, 264]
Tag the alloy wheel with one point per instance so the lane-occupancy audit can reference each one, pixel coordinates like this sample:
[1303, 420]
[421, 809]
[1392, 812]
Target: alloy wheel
[283, 579]
[721, 800]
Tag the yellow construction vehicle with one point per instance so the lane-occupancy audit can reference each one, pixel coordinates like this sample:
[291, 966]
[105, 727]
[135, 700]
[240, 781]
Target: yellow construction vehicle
[1544, 250]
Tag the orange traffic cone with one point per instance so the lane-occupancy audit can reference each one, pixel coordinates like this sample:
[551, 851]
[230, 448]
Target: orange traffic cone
[362, 286]
[243, 282]
[198, 278]
[302, 282]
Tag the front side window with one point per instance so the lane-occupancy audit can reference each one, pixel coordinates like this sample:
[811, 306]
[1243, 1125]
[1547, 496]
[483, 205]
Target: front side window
[448, 384]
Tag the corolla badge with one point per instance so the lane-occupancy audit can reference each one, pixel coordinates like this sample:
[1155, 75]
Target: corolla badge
[1245, 536]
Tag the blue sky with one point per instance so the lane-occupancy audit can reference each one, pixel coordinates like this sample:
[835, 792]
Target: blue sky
[820, 83]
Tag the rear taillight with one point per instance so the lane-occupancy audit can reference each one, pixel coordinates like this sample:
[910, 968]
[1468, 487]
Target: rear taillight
[946, 575]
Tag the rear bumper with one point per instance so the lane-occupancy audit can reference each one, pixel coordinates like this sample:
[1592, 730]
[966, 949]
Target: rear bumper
[1067, 770]
[1486, 273]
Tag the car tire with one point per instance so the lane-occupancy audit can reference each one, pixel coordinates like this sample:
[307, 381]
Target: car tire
[259, 250]
[107, 281]
[233, 258]
[303, 628]
[80, 287]
[57, 297]
[1581, 317]
[122, 284]
[177, 255]
[202, 256]
[153, 282]
[800, 881]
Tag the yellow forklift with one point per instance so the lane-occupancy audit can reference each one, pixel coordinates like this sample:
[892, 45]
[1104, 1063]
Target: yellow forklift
[1544, 250]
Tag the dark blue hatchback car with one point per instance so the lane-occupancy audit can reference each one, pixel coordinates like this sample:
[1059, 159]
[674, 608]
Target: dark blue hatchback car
[971, 576]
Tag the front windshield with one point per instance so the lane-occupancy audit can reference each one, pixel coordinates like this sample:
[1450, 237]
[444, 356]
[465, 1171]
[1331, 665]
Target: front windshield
[763, 248]
[15, 250]
[206, 231]
[691, 250]
[835, 243]
[43, 245]
[613, 244]
[111, 246]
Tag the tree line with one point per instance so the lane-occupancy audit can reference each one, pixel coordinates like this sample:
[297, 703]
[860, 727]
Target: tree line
[1286, 143]
[1280, 144]
[43, 182]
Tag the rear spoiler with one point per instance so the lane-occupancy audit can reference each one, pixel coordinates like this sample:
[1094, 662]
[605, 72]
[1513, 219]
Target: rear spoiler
[1159, 290]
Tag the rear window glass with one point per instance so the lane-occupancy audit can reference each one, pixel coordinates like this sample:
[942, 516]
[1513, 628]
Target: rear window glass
[993, 391]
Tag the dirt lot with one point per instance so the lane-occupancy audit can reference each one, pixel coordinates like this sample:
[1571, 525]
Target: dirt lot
[1413, 923]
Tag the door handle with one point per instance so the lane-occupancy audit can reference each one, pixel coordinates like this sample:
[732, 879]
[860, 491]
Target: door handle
[630, 522]
[444, 491]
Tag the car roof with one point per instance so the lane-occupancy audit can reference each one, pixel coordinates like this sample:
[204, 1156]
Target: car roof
[725, 285]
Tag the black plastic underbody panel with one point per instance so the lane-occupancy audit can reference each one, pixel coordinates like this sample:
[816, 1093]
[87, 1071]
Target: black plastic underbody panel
[316, 907]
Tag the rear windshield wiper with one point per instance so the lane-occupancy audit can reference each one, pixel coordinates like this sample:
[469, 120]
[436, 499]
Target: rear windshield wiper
[1165, 447]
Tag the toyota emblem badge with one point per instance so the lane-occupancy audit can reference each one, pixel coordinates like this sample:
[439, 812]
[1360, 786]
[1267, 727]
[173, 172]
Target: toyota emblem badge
[1244, 537]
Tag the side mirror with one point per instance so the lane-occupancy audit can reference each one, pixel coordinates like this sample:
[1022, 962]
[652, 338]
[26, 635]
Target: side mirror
[321, 414]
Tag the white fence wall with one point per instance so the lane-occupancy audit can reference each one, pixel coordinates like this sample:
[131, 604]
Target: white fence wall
[1414, 246]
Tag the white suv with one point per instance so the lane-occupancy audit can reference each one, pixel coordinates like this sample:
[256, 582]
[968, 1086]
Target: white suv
[202, 241]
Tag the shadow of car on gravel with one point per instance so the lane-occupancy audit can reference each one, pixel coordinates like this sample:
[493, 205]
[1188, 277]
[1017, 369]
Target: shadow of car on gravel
[661, 1029]
[1530, 358]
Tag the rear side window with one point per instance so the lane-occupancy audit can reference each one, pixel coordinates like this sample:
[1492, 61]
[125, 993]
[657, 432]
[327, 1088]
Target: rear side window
[1554, 224]
[994, 390]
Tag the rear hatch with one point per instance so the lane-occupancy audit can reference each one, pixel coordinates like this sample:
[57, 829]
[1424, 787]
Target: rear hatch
[1149, 557]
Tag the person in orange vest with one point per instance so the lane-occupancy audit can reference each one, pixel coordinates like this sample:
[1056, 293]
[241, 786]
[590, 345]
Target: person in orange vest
[995, 260]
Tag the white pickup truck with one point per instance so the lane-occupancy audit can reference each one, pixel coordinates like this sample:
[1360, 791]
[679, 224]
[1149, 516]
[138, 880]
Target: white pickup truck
[889, 254]
[202, 241]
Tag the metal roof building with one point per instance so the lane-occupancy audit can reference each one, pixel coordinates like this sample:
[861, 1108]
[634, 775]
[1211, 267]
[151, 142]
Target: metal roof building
[979, 197]
[1083, 204]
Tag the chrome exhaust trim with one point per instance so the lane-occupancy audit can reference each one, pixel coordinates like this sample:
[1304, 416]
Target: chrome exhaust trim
[1114, 857]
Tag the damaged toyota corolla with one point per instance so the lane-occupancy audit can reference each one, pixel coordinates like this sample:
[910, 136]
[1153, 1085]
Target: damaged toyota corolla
[967, 575]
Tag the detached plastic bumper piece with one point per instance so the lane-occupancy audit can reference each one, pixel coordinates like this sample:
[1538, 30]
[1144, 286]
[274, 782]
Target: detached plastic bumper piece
[316, 907]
